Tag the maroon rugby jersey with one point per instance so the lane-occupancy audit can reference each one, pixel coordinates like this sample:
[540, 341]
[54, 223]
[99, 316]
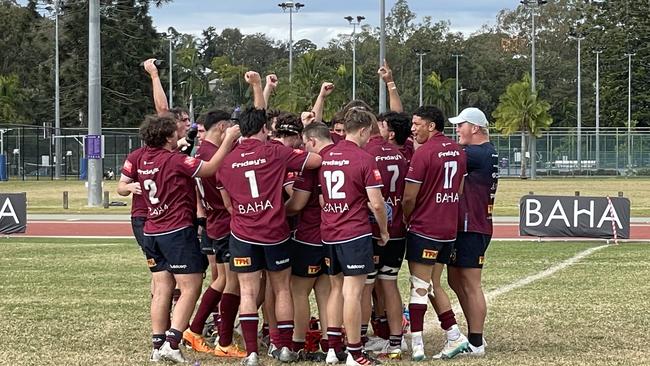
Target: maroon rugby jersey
[438, 166]
[308, 229]
[335, 137]
[407, 150]
[129, 169]
[253, 174]
[347, 170]
[218, 218]
[167, 183]
[393, 167]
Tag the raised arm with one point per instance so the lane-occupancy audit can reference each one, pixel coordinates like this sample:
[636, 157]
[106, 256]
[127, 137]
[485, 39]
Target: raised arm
[269, 87]
[255, 81]
[159, 97]
[325, 90]
[394, 100]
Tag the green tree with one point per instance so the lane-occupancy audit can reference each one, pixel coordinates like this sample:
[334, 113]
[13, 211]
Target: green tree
[521, 111]
[439, 93]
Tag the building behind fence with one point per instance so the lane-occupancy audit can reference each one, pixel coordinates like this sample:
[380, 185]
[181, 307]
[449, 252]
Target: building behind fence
[29, 152]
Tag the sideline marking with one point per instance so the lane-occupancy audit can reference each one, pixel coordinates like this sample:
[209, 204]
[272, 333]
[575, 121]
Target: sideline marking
[489, 296]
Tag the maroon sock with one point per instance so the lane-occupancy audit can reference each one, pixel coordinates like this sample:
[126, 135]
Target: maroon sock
[384, 330]
[364, 334]
[228, 312]
[249, 324]
[417, 312]
[209, 300]
[324, 345]
[355, 350]
[447, 319]
[174, 337]
[285, 333]
[274, 335]
[297, 346]
[335, 338]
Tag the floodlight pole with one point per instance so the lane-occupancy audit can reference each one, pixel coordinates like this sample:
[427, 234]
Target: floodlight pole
[382, 54]
[598, 52]
[421, 53]
[291, 6]
[354, 24]
[94, 101]
[57, 100]
[629, 112]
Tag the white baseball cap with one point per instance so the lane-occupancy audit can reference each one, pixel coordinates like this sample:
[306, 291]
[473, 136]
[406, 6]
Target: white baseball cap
[471, 115]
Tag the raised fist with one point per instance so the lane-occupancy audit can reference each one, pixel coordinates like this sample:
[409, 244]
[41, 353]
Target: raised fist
[252, 77]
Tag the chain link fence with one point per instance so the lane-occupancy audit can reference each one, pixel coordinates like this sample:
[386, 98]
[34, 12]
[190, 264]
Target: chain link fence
[28, 152]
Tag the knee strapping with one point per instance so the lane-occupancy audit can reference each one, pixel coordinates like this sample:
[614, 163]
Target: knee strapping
[422, 286]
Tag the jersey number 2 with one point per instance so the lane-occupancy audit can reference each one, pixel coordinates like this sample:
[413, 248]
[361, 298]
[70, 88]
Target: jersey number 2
[150, 185]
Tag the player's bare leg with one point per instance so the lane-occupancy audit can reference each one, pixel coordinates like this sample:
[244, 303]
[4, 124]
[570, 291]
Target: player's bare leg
[335, 319]
[352, 292]
[300, 289]
[473, 304]
[446, 316]
[280, 283]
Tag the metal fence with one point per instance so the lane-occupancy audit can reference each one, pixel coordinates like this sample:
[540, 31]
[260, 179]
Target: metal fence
[29, 152]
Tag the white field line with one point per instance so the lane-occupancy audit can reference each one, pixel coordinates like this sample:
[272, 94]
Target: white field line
[491, 295]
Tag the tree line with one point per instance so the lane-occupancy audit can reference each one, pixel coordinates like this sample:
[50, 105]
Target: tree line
[209, 67]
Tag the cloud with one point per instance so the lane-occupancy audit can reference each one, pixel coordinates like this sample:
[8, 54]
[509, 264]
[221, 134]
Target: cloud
[319, 21]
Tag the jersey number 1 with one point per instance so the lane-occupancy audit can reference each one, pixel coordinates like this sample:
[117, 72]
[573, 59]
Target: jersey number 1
[252, 182]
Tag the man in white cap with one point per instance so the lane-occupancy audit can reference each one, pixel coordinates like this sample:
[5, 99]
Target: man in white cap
[474, 222]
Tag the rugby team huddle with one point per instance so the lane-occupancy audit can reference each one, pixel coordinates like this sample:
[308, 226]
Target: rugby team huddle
[286, 204]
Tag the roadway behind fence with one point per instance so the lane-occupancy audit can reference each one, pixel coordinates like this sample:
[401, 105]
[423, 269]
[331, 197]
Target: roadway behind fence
[29, 152]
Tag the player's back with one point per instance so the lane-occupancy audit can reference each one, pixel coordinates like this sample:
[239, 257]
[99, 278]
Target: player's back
[438, 166]
[345, 174]
[393, 167]
[166, 179]
[253, 175]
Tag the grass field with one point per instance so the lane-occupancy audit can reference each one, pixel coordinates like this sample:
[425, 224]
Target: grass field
[85, 302]
[46, 196]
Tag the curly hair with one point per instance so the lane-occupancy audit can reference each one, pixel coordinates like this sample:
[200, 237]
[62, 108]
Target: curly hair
[155, 130]
[288, 124]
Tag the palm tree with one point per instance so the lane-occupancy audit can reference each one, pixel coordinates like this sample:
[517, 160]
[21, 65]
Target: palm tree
[439, 93]
[520, 110]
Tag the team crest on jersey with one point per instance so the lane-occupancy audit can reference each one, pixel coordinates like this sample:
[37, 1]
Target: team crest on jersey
[190, 161]
[151, 262]
[429, 254]
[313, 269]
[128, 166]
[327, 261]
[375, 259]
[377, 175]
[481, 260]
[298, 151]
[241, 261]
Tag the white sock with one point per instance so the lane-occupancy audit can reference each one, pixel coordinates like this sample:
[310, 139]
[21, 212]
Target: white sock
[416, 339]
[453, 333]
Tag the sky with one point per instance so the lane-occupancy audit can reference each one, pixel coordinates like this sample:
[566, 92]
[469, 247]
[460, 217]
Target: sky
[318, 20]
